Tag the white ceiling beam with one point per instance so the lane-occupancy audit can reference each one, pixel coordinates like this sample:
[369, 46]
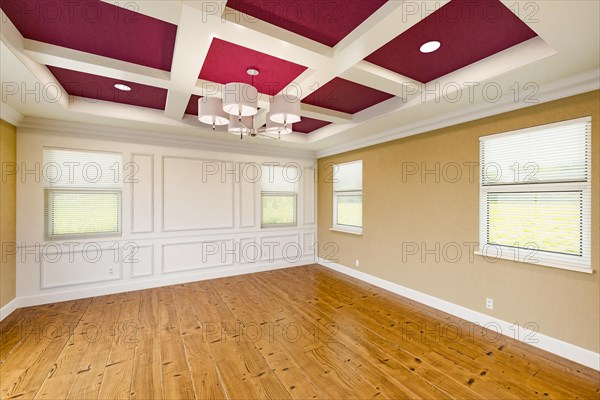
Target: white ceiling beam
[268, 39]
[381, 79]
[191, 47]
[63, 57]
[324, 114]
[14, 41]
[387, 22]
[176, 104]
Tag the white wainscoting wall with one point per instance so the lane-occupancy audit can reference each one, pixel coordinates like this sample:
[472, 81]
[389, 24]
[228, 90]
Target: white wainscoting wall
[181, 222]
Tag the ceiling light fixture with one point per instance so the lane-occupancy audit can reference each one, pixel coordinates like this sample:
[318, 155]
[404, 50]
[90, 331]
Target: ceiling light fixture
[430, 47]
[239, 105]
[122, 87]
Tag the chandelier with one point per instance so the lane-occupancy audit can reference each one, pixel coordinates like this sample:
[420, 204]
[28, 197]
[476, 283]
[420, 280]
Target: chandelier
[239, 105]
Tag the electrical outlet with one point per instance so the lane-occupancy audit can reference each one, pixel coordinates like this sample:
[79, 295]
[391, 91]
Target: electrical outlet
[110, 271]
[357, 263]
[489, 303]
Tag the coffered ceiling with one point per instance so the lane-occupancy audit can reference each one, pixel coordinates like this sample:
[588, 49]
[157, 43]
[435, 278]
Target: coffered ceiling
[356, 65]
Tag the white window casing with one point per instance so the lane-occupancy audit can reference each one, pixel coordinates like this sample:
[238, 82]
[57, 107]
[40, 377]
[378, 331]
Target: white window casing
[82, 194]
[347, 191]
[535, 195]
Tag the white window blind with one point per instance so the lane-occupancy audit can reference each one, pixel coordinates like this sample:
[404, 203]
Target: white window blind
[279, 187]
[348, 177]
[279, 179]
[347, 196]
[82, 169]
[536, 195]
[82, 193]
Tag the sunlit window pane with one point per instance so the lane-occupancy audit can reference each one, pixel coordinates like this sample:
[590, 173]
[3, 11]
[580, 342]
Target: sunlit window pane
[74, 213]
[349, 210]
[548, 221]
[278, 209]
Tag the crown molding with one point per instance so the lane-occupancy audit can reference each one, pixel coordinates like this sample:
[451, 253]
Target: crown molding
[10, 115]
[577, 84]
[102, 132]
[572, 86]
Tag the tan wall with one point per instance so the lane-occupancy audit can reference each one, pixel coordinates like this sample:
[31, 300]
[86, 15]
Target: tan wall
[8, 212]
[565, 304]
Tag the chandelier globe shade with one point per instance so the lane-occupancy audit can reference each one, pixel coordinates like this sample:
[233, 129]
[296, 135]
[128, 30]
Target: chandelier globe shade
[275, 128]
[285, 109]
[240, 99]
[238, 127]
[210, 111]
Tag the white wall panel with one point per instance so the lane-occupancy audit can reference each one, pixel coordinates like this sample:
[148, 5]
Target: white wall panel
[79, 264]
[309, 196]
[140, 174]
[178, 257]
[308, 243]
[139, 259]
[248, 194]
[278, 247]
[249, 251]
[197, 194]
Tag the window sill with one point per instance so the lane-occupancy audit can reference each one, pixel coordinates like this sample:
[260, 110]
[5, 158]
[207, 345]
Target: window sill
[357, 231]
[540, 262]
[275, 226]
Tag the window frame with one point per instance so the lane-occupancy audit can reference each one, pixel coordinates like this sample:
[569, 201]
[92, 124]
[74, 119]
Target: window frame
[294, 195]
[279, 193]
[572, 262]
[48, 190]
[358, 230]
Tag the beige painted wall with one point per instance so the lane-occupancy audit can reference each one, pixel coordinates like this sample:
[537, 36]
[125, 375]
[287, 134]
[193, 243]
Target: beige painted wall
[8, 211]
[564, 304]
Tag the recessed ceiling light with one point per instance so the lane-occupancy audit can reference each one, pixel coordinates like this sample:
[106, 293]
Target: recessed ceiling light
[122, 87]
[430, 47]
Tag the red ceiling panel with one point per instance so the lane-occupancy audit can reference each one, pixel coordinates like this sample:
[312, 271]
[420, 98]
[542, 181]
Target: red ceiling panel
[307, 125]
[468, 31]
[102, 88]
[96, 27]
[346, 96]
[326, 22]
[192, 107]
[227, 62]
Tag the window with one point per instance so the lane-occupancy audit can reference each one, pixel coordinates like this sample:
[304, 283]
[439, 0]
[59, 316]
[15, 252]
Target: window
[279, 195]
[535, 195]
[347, 197]
[82, 193]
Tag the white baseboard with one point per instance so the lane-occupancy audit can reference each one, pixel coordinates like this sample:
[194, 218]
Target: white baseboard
[9, 308]
[211, 273]
[550, 344]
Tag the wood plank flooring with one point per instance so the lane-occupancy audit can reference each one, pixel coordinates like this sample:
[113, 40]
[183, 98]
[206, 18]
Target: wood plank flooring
[303, 333]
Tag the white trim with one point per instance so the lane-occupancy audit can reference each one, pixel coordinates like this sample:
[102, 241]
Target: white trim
[132, 191]
[544, 262]
[569, 351]
[338, 228]
[10, 115]
[199, 275]
[578, 84]
[582, 120]
[9, 308]
[127, 135]
[498, 149]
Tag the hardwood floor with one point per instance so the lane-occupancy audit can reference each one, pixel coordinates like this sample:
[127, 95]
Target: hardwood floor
[303, 332]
